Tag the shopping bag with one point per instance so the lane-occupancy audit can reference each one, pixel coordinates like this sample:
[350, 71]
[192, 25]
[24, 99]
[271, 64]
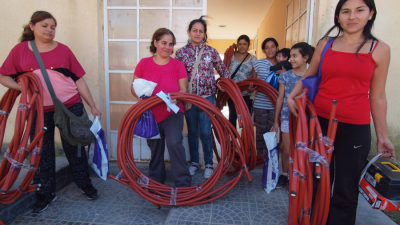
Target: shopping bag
[98, 152]
[146, 127]
[271, 164]
[273, 79]
[312, 82]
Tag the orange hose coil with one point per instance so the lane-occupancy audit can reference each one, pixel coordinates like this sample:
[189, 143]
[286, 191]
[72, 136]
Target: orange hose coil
[233, 91]
[305, 138]
[160, 194]
[31, 101]
[228, 55]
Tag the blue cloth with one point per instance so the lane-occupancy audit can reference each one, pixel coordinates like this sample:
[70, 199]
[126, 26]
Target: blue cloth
[146, 127]
[97, 158]
[272, 79]
[199, 124]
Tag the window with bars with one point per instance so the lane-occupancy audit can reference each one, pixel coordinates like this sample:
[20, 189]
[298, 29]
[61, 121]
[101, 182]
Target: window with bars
[296, 22]
[130, 26]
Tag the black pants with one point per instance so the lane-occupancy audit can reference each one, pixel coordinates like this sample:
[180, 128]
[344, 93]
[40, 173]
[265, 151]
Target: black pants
[170, 132]
[232, 109]
[352, 145]
[46, 174]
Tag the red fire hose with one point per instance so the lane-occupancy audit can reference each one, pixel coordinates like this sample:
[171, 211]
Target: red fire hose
[233, 91]
[160, 194]
[308, 148]
[228, 55]
[248, 150]
[31, 101]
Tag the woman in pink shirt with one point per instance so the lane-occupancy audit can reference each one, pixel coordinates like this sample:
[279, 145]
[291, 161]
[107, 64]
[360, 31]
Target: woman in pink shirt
[170, 76]
[66, 75]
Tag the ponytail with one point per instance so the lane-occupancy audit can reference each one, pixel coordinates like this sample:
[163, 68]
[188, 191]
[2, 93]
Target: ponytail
[27, 34]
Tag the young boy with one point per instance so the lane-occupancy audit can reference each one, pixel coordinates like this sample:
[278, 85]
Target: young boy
[283, 61]
[282, 66]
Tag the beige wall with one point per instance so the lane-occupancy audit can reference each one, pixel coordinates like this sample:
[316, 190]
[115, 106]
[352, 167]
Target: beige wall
[222, 44]
[79, 27]
[386, 30]
[273, 25]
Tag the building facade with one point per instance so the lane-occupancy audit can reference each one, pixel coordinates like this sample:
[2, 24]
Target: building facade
[109, 37]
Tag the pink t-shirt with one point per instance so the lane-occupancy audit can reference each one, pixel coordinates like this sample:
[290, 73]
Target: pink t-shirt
[61, 65]
[166, 77]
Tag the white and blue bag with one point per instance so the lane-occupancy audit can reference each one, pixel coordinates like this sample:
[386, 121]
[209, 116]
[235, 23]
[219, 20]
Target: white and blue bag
[146, 127]
[98, 152]
[271, 161]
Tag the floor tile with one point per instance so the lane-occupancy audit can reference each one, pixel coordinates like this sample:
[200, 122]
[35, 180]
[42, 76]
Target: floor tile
[230, 213]
[191, 214]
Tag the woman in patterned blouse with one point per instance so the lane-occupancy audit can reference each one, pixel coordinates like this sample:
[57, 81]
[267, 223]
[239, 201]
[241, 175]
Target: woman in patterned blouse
[198, 123]
[243, 72]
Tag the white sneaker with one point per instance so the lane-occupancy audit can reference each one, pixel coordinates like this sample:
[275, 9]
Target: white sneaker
[193, 168]
[208, 171]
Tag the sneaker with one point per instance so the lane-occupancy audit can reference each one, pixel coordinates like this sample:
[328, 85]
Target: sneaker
[90, 192]
[282, 181]
[43, 202]
[208, 171]
[193, 168]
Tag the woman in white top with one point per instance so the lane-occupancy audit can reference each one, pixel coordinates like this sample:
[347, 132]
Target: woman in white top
[241, 68]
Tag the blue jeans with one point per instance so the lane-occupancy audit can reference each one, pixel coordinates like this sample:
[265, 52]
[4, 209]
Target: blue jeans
[198, 123]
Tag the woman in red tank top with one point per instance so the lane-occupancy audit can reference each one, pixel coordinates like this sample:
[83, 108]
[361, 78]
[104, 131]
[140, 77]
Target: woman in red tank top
[354, 73]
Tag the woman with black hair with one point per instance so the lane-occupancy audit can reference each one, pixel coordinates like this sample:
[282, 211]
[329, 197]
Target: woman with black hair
[203, 84]
[241, 68]
[264, 113]
[354, 72]
[66, 75]
[170, 76]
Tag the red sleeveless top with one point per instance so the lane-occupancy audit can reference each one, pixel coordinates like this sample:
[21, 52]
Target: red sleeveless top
[347, 79]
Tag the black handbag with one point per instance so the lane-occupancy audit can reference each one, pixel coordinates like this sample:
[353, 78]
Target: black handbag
[75, 130]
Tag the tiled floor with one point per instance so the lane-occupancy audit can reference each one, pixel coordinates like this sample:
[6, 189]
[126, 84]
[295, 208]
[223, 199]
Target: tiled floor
[247, 203]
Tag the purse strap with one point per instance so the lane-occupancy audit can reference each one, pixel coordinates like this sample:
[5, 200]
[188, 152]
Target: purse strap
[327, 46]
[196, 65]
[43, 69]
[195, 70]
[237, 69]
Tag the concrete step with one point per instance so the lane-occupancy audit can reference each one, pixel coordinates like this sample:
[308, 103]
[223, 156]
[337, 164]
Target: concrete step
[11, 211]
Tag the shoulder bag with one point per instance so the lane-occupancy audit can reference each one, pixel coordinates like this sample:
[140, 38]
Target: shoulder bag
[312, 82]
[75, 130]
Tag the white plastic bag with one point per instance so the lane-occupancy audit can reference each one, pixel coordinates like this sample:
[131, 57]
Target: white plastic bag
[98, 152]
[146, 128]
[143, 88]
[271, 164]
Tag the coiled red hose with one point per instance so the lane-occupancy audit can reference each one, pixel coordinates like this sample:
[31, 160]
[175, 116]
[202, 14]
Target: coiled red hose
[248, 150]
[31, 101]
[307, 142]
[228, 55]
[160, 194]
[233, 91]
